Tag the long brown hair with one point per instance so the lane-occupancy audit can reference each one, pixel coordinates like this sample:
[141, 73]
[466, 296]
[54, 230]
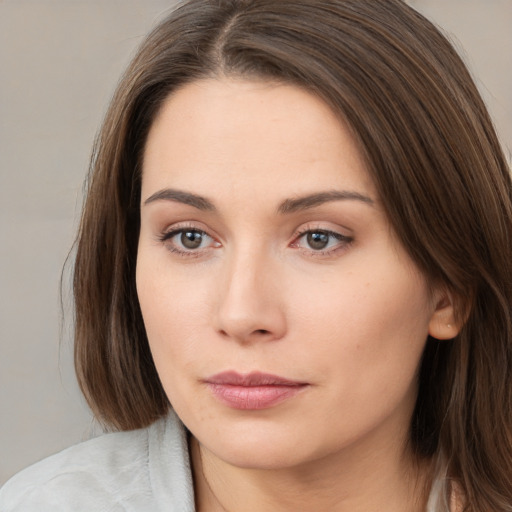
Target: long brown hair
[433, 154]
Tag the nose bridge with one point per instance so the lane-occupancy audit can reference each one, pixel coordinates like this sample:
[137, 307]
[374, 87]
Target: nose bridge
[249, 307]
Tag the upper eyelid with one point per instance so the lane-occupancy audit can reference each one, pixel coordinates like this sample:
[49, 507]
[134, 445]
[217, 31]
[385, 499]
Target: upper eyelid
[318, 230]
[174, 231]
[184, 225]
[320, 226]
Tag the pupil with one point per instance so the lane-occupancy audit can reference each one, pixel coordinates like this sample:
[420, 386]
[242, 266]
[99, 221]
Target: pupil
[318, 240]
[191, 239]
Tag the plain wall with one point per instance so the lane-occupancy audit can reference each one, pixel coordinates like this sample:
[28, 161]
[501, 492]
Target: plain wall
[59, 62]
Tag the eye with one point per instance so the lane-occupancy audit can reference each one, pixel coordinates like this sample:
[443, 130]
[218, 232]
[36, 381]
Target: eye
[191, 239]
[321, 241]
[318, 240]
[188, 240]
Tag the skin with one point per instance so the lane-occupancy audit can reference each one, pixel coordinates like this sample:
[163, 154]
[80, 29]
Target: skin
[350, 321]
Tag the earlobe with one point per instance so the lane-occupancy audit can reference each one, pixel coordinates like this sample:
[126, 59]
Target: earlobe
[444, 325]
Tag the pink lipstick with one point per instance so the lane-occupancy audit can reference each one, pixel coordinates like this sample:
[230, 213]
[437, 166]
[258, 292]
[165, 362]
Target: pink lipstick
[252, 391]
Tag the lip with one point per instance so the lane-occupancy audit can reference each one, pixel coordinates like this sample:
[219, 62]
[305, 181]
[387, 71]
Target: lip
[252, 391]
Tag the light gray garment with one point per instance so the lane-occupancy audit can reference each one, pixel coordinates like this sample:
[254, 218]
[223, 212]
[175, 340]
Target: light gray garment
[145, 470]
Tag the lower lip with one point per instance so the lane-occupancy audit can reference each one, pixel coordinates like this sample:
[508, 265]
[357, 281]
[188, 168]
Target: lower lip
[253, 397]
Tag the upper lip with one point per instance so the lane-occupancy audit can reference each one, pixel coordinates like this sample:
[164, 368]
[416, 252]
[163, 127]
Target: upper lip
[253, 379]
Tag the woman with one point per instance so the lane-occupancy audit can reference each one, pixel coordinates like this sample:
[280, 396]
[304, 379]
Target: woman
[297, 235]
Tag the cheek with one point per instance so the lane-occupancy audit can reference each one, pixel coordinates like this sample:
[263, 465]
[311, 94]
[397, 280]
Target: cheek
[362, 339]
[174, 309]
[372, 324]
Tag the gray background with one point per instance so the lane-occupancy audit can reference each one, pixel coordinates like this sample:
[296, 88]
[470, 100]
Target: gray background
[59, 62]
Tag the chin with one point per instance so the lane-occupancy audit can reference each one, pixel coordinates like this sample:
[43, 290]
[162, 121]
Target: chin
[259, 456]
[259, 446]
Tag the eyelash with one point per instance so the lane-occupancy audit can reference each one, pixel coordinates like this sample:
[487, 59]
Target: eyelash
[166, 238]
[343, 241]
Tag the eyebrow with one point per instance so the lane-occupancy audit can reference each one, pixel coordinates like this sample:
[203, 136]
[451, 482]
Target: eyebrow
[179, 196]
[310, 201]
[288, 206]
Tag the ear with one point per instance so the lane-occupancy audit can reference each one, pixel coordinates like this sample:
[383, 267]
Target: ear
[444, 323]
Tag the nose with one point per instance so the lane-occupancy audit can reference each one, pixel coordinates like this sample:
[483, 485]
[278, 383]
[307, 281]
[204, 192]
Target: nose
[249, 307]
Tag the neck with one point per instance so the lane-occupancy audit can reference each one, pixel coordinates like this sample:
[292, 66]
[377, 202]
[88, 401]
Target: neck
[377, 481]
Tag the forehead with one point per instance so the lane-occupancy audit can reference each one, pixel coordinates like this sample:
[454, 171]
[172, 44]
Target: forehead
[255, 135]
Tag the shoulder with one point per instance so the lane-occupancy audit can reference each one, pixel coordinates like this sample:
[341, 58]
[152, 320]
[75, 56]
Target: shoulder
[76, 478]
[113, 473]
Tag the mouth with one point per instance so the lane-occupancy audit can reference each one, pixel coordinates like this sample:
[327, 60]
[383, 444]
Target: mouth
[252, 391]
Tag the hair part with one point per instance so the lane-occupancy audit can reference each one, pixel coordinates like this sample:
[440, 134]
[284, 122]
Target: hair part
[432, 151]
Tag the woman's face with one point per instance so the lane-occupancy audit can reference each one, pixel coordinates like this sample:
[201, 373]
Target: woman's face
[285, 320]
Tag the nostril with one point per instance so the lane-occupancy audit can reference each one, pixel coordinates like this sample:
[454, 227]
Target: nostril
[261, 331]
